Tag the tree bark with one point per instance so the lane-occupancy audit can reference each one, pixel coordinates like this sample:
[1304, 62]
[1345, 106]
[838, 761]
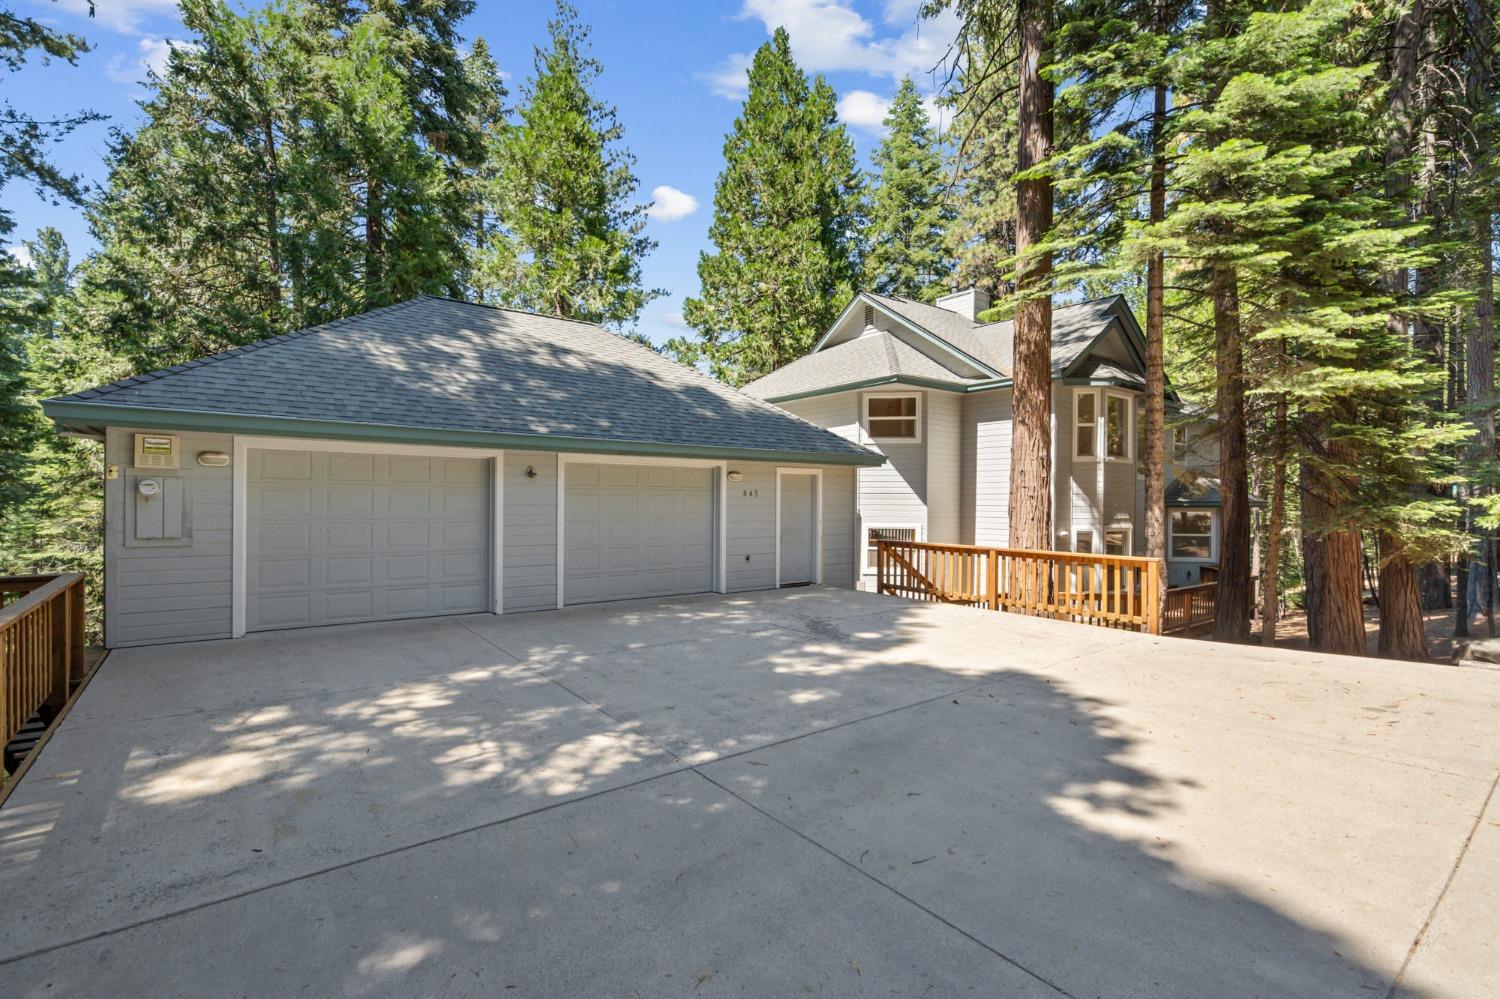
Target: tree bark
[1156, 383]
[1232, 607]
[1335, 614]
[1403, 632]
[1270, 573]
[1031, 437]
[374, 241]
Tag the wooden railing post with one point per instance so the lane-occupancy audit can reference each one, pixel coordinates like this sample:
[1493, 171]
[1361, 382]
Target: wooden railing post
[879, 566]
[992, 578]
[1152, 597]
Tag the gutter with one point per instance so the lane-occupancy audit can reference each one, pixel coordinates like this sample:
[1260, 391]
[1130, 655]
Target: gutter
[86, 414]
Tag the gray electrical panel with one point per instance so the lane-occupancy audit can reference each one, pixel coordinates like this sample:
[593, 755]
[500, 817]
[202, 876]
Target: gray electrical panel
[156, 510]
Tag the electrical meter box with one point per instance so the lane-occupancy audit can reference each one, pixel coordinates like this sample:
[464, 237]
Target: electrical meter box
[158, 451]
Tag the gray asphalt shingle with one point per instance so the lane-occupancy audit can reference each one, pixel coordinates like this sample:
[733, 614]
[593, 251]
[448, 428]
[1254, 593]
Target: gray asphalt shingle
[440, 364]
[1074, 328]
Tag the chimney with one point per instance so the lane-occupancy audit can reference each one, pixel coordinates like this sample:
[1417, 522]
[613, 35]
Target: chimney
[968, 303]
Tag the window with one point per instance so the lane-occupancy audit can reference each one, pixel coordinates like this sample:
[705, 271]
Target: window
[1191, 534]
[1086, 421]
[1117, 541]
[891, 417]
[1117, 427]
[1181, 446]
[874, 534]
[1083, 542]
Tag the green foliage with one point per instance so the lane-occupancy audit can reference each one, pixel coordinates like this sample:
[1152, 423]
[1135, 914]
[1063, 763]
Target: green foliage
[910, 212]
[982, 235]
[572, 239]
[785, 228]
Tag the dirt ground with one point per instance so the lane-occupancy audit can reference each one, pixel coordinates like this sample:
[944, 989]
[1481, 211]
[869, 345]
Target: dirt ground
[1291, 631]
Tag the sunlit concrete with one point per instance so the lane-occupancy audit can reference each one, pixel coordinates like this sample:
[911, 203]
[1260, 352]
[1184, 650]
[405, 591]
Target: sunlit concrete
[809, 791]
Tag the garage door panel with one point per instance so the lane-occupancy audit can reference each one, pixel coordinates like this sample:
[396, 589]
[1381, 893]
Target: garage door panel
[636, 531]
[368, 538]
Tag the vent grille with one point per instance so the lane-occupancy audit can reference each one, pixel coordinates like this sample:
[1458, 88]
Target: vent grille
[869, 317]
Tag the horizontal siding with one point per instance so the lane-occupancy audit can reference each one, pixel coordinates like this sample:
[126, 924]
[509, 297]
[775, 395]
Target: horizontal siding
[986, 439]
[169, 592]
[838, 412]
[530, 530]
[944, 466]
[896, 492]
[840, 527]
[751, 533]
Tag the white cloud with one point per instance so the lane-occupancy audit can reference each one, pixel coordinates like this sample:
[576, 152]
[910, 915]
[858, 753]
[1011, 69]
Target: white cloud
[863, 109]
[674, 319]
[830, 36]
[20, 253]
[670, 204]
[151, 57]
[124, 16]
[728, 81]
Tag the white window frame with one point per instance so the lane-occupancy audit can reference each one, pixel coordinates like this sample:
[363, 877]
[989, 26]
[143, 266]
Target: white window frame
[916, 418]
[817, 477]
[919, 531]
[1129, 533]
[1079, 533]
[239, 541]
[1213, 535]
[1078, 398]
[1129, 428]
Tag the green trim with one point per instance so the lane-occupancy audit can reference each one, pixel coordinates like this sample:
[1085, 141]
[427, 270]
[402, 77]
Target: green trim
[927, 383]
[95, 414]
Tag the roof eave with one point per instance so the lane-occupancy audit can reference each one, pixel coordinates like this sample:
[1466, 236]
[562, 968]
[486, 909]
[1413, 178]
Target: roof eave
[70, 414]
[915, 382]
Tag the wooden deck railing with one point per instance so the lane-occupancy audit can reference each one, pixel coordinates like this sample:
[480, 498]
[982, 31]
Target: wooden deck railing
[1189, 607]
[41, 645]
[1112, 591]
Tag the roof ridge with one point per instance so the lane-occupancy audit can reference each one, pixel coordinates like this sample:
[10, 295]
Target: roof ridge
[236, 351]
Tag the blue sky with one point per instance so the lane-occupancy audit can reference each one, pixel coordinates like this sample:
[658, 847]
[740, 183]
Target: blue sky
[674, 69]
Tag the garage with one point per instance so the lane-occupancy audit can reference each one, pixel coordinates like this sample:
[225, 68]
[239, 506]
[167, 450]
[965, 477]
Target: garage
[637, 531]
[339, 537]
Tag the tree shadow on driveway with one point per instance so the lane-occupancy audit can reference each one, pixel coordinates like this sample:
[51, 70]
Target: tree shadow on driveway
[894, 816]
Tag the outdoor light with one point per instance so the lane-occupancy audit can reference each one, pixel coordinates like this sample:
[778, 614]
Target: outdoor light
[530, 472]
[735, 476]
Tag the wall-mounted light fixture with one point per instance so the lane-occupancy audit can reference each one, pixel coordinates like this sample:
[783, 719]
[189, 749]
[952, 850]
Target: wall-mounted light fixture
[213, 459]
[530, 472]
[736, 476]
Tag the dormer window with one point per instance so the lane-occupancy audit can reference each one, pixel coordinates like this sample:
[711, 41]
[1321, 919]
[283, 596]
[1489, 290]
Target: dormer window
[893, 417]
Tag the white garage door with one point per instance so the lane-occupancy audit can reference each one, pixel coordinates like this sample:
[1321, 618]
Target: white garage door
[637, 531]
[335, 538]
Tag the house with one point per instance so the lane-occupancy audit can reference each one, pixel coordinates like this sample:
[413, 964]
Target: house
[438, 457]
[929, 386]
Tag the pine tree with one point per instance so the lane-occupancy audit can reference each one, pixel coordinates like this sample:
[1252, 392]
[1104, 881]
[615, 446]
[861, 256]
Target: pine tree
[573, 238]
[909, 209]
[785, 227]
[982, 237]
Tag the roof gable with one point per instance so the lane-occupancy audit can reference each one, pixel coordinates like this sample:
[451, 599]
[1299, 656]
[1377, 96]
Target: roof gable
[439, 365]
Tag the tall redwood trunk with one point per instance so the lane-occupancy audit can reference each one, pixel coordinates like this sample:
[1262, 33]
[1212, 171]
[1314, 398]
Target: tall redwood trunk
[1030, 513]
[1402, 630]
[1232, 606]
[1156, 383]
[1479, 349]
[374, 241]
[1335, 616]
[1403, 633]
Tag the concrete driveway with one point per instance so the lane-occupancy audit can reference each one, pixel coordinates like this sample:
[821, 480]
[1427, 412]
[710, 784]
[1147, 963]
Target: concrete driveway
[808, 792]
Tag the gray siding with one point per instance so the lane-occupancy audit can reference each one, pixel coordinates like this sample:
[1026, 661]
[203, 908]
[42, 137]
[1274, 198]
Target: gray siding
[841, 544]
[1092, 494]
[944, 466]
[530, 528]
[986, 459]
[169, 591]
[751, 532]
[896, 492]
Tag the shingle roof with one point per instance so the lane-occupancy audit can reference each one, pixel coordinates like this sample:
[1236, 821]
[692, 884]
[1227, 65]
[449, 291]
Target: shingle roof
[1074, 329]
[443, 365]
[1200, 491]
[874, 356]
